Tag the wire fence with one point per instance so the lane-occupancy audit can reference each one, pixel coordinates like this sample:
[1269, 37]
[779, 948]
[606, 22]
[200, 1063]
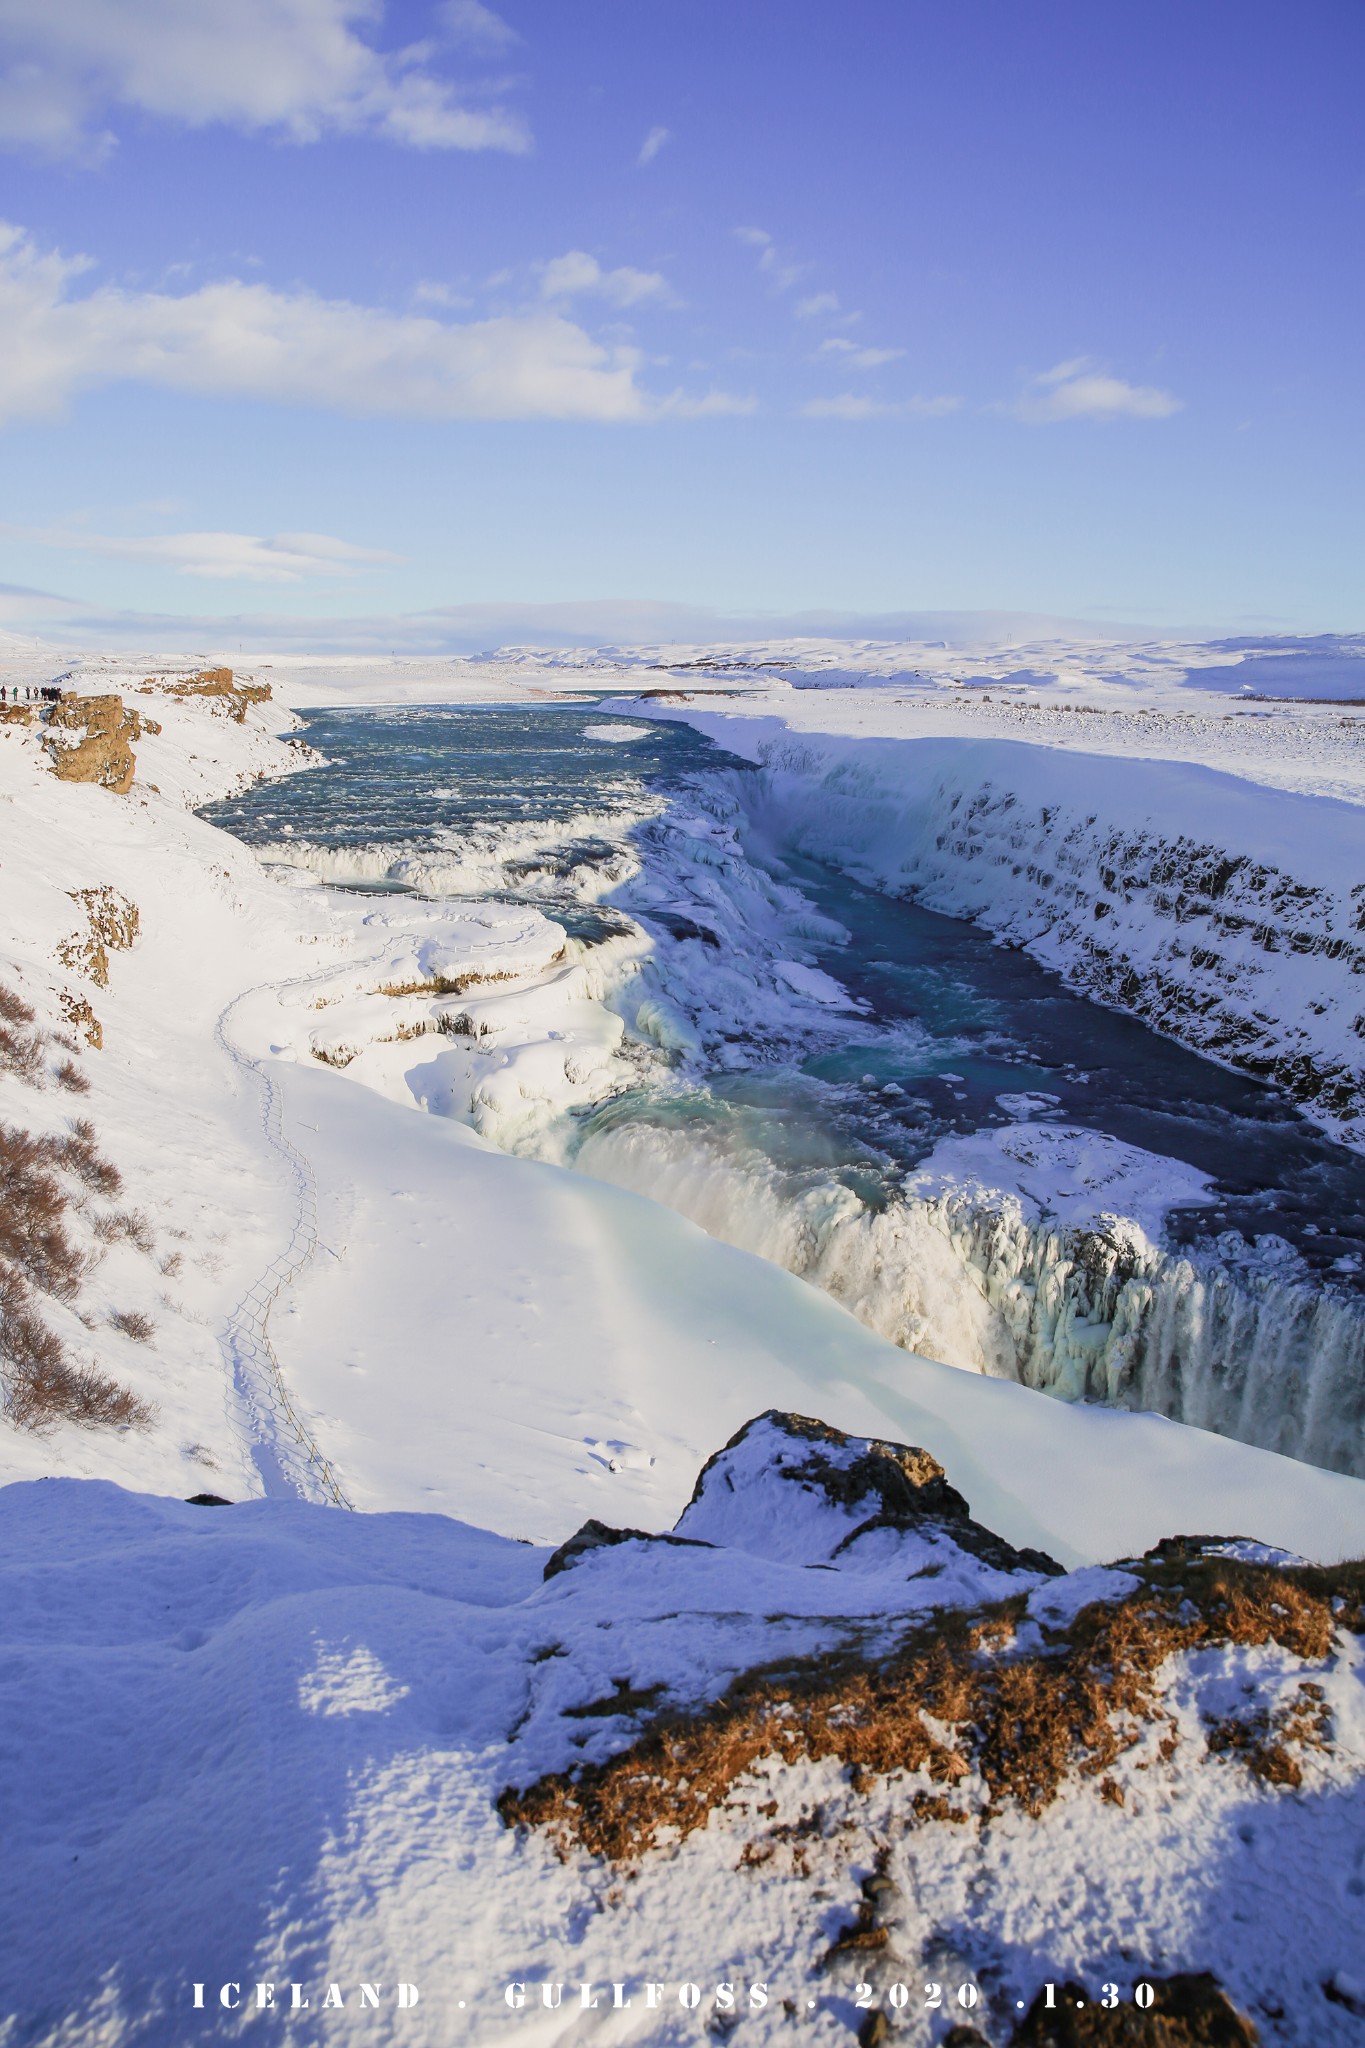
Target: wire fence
[246, 1340]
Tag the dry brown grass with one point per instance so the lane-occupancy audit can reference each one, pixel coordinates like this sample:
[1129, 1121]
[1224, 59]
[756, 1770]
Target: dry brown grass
[335, 1055]
[436, 985]
[69, 1076]
[125, 1226]
[39, 1383]
[444, 1025]
[444, 984]
[130, 1322]
[21, 1047]
[33, 1206]
[1024, 1722]
[1264, 1739]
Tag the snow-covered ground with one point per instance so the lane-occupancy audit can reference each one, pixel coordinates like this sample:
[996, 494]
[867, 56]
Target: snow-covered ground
[263, 1746]
[263, 1743]
[471, 1329]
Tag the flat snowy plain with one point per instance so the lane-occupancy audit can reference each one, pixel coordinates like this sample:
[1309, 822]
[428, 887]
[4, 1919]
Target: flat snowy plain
[262, 1744]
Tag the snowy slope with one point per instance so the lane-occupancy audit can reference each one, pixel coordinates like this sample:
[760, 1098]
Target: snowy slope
[282, 1745]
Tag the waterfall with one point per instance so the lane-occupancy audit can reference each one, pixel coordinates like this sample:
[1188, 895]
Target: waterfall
[1234, 1339]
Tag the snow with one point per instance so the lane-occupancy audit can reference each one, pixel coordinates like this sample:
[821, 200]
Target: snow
[472, 1322]
[261, 1743]
[1077, 1178]
[814, 982]
[286, 1726]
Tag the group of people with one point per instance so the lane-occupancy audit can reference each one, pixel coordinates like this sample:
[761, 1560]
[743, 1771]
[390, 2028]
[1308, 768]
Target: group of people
[46, 693]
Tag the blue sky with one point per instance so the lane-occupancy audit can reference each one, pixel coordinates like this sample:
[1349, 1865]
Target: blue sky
[327, 309]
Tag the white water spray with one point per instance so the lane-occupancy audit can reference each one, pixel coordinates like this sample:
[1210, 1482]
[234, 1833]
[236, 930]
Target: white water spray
[1237, 1342]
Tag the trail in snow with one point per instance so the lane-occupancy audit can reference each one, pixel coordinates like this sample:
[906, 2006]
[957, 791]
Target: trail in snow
[279, 1437]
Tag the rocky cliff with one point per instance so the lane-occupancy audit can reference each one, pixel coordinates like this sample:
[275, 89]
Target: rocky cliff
[90, 739]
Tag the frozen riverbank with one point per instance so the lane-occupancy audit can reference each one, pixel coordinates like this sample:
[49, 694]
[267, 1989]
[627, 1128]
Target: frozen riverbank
[1218, 910]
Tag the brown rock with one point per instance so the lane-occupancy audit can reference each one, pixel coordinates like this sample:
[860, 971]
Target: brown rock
[220, 683]
[112, 924]
[105, 754]
[78, 1013]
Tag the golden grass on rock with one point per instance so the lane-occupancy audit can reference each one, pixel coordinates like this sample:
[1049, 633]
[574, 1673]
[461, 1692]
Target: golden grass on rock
[956, 1700]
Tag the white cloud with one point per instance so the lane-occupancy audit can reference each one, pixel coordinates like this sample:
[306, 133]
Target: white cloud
[429, 291]
[651, 145]
[1080, 390]
[568, 276]
[295, 348]
[298, 68]
[253, 341]
[815, 305]
[851, 405]
[781, 272]
[238, 557]
[476, 27]
[851, 356]
[710, 405]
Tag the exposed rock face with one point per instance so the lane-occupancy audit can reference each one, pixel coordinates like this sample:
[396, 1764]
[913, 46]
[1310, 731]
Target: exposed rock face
[113, 922]
[595, 1535]
[857, 1485]
[104, 752]
[219, 684]
[79, 1015]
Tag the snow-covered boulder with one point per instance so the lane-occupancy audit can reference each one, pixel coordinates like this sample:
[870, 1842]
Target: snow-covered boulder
[798, 1491]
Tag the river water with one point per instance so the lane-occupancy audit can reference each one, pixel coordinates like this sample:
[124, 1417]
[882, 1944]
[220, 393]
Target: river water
[978, 1163]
